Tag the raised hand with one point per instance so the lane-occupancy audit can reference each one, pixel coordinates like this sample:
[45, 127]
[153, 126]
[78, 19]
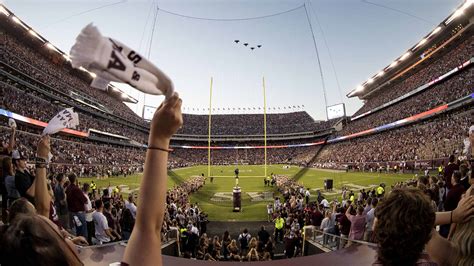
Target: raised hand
[166, 120]
[44, 147]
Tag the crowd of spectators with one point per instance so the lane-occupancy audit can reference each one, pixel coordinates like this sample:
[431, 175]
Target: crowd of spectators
[251, 124]
[438, 66]
[294, 155]
[86, 214]
[400, 223]
[83, 158]
[452, 89]
[58, 76]
[437, 137]
[19, 99]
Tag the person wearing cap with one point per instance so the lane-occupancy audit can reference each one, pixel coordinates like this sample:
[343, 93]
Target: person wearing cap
[23, 178]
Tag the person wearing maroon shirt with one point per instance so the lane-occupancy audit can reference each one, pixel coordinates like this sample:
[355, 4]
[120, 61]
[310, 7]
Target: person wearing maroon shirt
[448, 171]
[452, 199]
[76, 204]
[344, 225]
[317, 217]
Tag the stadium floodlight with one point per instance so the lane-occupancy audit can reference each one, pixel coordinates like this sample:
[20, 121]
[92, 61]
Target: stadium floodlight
[32, 32]
[4, 11]
[359, 88]
[459, 12]
[18, 21]
[66, 57]
[435, 31]
[51, 47]
[466, 4]
[371, 80]
[407, 54]
[423, 41]
[456, 14]
[380, 73]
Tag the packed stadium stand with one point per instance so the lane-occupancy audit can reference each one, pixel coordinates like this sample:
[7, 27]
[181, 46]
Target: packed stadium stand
[415, 115]
[434, 138]
[33, 76]
[251, 124]
[438, 64]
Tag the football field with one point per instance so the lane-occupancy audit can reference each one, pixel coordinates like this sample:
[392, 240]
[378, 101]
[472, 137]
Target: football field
[216, 198]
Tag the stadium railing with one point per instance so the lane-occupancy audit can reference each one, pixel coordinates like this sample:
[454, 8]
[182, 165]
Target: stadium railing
[329, 242]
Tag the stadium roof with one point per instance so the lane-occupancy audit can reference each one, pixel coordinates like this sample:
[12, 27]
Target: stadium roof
[459, 22]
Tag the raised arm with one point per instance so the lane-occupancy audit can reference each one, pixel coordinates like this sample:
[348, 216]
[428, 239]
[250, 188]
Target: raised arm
[11, 143]
[145, 242]
[348, 213]
[441, 250]
[42, 197]
[463, 212]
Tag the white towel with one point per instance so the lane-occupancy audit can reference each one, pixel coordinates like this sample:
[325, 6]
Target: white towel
[111, 60]
[67, 118]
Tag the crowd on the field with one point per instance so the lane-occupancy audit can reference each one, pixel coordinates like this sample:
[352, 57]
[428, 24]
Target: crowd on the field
[421, 75]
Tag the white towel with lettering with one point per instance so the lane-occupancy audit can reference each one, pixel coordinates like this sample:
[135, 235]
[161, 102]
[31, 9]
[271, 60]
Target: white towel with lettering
[111, 60]
[67, 118]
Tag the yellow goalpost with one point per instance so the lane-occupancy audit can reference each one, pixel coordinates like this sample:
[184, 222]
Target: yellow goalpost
[209, 159]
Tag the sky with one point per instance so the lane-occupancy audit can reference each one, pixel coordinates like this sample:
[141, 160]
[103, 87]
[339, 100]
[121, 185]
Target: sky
[355, 40]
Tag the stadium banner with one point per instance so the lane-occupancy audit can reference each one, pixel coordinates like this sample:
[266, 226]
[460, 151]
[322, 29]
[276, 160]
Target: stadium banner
[417, 90]
[393, 124]
[247, 147]
[35, 122]
[91, 130]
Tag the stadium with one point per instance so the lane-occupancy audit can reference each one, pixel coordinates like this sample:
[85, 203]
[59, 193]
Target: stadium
[126, 182]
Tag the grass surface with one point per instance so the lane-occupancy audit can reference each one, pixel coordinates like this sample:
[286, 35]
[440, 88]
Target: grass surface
[251, 180]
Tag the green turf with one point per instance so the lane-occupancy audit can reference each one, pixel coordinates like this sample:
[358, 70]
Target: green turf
[249, 182]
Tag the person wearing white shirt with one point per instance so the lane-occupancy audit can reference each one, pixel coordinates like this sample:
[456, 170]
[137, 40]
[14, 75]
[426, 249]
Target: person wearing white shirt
[131, 206]
[325, 203]
[368, 235]
[102, 230]
[307, 195]
[277, 204]
[327, 226]
[270, 212]
[89, 211]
